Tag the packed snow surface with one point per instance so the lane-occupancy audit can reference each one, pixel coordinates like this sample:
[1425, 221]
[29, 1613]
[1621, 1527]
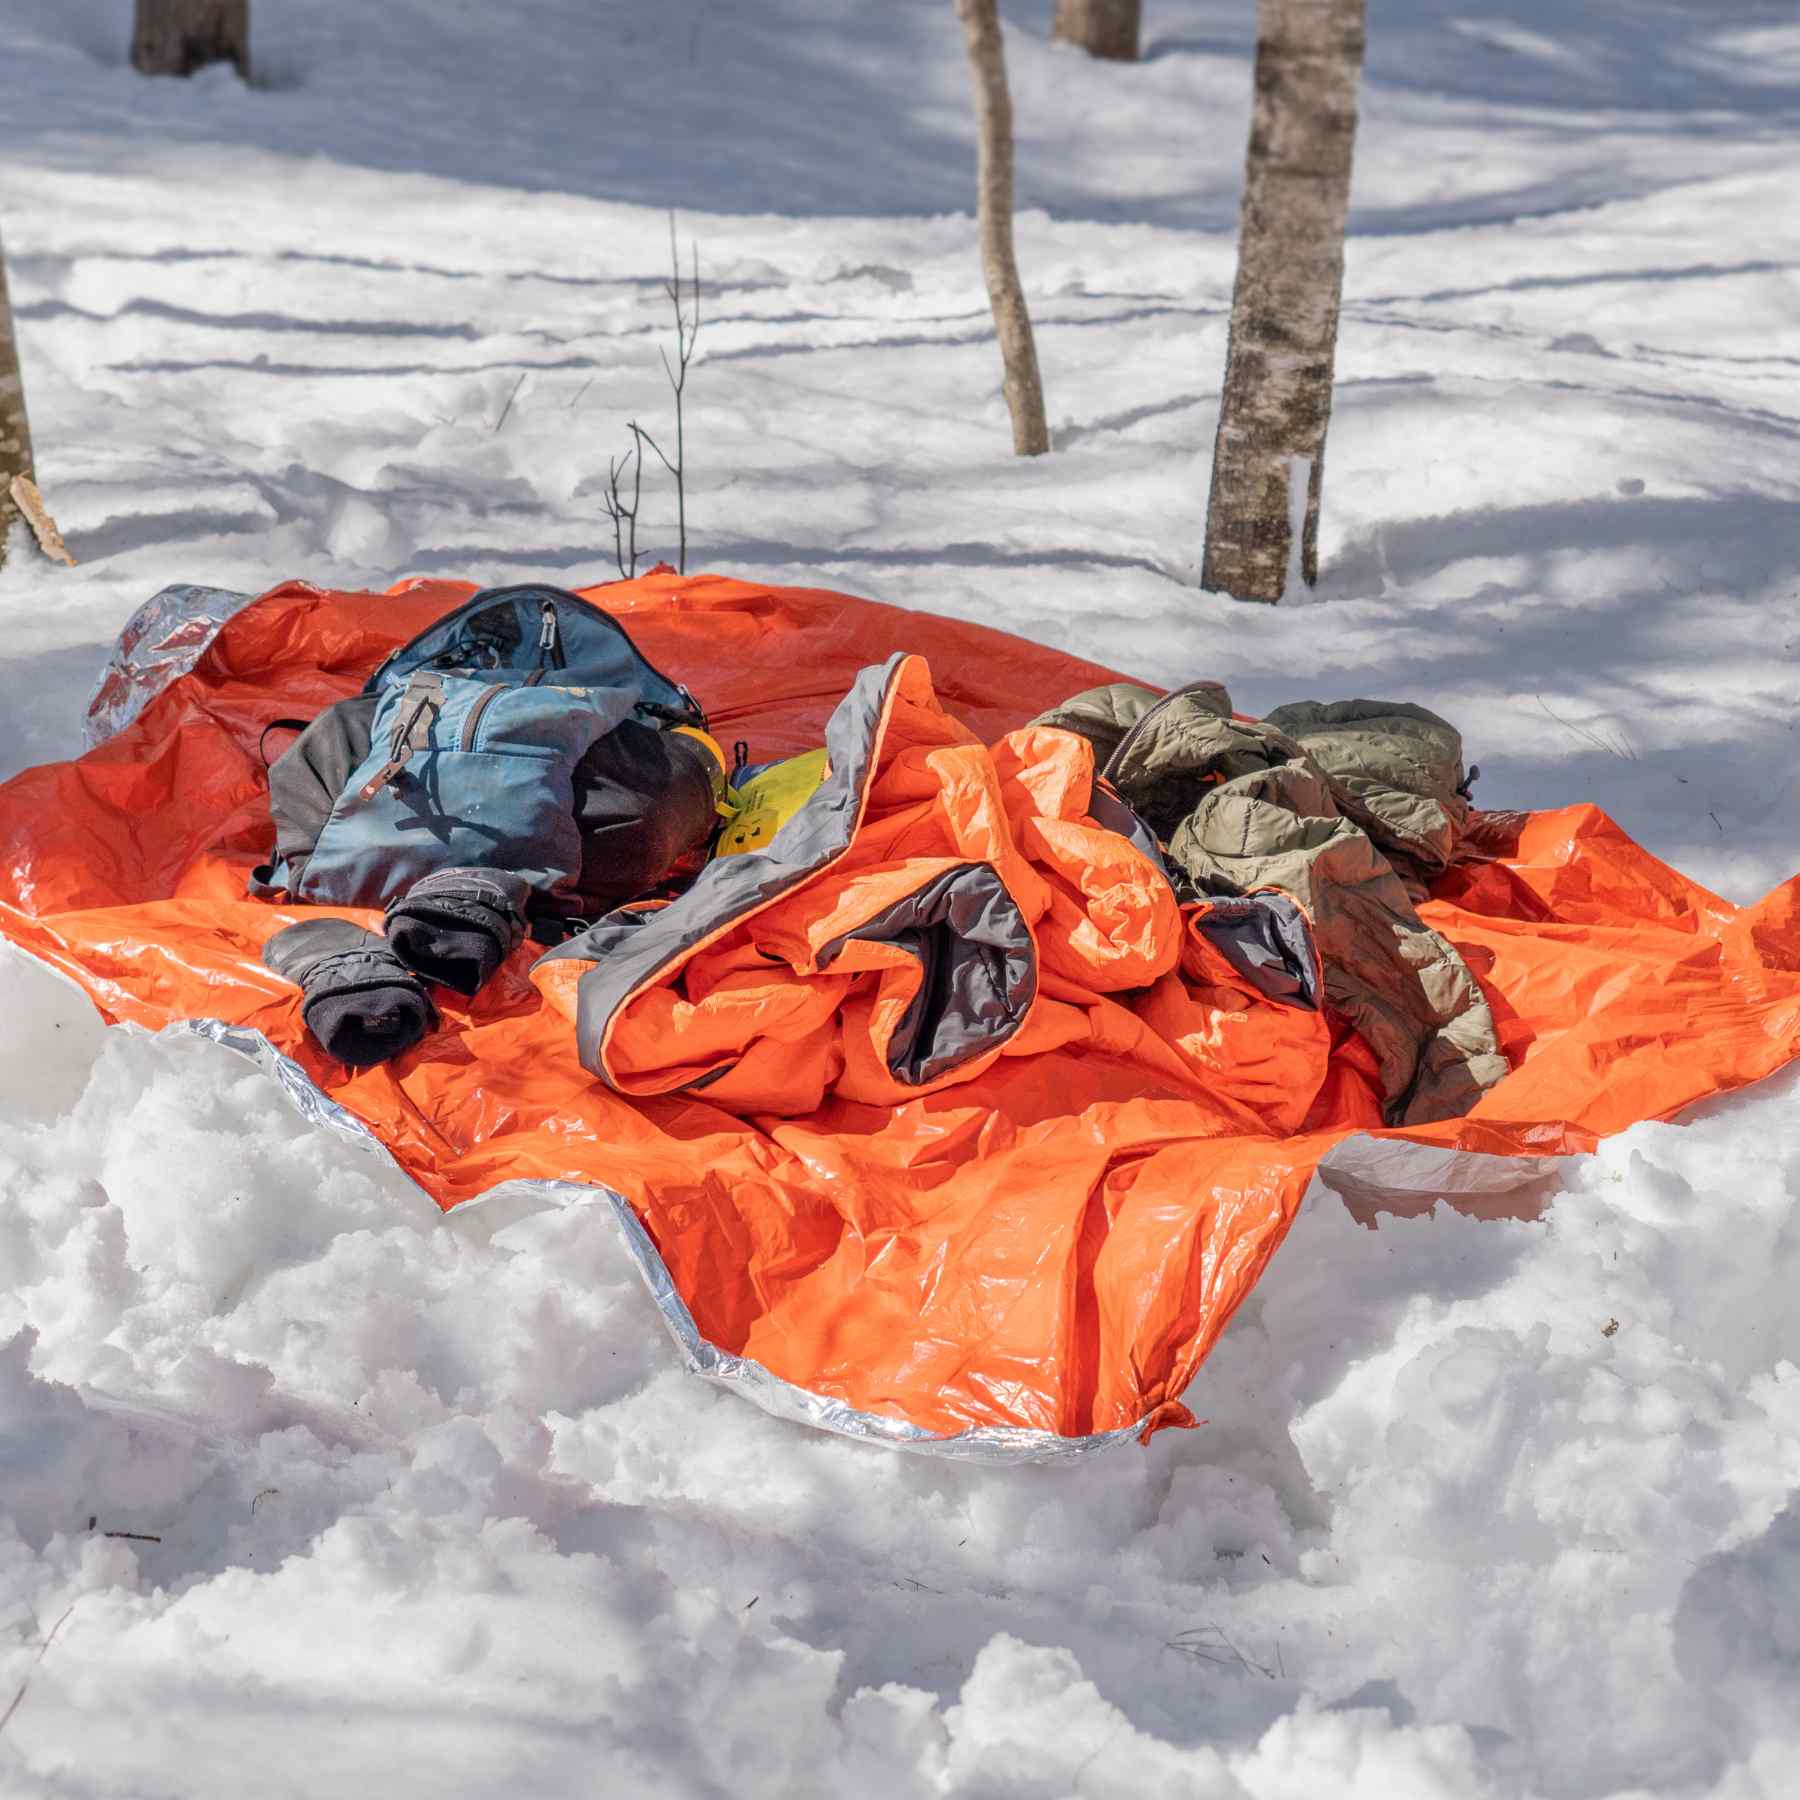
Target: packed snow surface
[307, 1491]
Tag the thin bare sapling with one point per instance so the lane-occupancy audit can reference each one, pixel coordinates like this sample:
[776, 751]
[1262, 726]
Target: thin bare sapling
[687, 330]
[624, 518]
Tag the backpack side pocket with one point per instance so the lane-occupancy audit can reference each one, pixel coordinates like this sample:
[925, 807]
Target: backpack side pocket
[304, 784]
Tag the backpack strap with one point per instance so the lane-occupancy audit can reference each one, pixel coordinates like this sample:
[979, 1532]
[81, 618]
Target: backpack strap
[419, 710]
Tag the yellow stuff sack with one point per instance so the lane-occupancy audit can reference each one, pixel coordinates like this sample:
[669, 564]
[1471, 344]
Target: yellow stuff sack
[764, 802]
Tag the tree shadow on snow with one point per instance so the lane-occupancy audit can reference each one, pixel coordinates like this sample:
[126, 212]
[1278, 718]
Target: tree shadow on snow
[780, 108]
[1737, 543]
[1687, 625]
[1592, 79]
[1633, 57]
[809, 109]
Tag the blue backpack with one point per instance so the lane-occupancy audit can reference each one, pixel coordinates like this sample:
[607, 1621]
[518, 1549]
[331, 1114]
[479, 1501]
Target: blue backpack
[515, 728]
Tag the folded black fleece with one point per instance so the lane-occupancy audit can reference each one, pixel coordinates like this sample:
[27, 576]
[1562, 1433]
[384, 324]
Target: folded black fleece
[456, 926]
[358, 999]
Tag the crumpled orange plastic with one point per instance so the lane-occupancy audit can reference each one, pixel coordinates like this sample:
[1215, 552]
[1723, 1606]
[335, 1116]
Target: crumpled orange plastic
[1056, 1243]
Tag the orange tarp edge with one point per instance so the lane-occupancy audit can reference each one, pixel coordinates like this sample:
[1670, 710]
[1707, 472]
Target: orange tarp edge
[1055, 1244]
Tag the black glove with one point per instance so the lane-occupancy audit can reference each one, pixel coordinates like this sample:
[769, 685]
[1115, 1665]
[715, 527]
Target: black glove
[457, 926]
[358, 999]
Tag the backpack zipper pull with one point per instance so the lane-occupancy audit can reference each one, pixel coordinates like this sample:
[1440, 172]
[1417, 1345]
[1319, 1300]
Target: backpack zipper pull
[389, 771]
[549, 638]
[401, 746]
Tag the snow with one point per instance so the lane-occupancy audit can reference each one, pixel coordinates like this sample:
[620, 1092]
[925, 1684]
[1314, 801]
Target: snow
[1494, 1506]
[1294, 590]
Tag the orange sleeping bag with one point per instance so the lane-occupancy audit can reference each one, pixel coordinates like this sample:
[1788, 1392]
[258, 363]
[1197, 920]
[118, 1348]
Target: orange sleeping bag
[945, 1126]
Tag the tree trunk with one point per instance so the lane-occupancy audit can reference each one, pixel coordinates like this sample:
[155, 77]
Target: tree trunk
[1107, 28]
[15, 433]
[176, 37]
[1012, 323]
[1269, 457]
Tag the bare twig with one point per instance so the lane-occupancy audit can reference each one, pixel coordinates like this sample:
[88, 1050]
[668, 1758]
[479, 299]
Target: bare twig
[1616, 745]
[917, 1586]
[624, 518]
[1209, 1644]
[43, 1648]
[684, 299]
[30, 502]
[643, 436]
[137, 1537]
[510, 398]
[687, 330]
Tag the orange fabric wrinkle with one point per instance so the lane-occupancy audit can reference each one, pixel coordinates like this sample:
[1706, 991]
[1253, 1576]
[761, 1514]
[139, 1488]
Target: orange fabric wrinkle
[1053, 1236]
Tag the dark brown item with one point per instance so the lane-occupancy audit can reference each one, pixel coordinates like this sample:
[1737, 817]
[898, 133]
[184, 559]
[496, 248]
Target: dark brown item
[1103, 28]
[176, 37]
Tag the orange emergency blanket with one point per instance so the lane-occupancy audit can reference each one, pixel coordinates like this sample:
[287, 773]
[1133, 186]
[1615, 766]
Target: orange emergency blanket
[1025, 1256]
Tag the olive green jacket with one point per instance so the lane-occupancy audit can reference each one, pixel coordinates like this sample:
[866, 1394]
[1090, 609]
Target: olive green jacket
[1352, 808]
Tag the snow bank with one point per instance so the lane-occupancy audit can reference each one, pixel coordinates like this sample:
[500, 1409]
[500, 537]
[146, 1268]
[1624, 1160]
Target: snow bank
[1480, 1506]
[305, 1490]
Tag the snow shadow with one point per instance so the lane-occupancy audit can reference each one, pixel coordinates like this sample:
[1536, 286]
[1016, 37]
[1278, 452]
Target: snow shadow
[1669, 698]
[47, 693]
[751, 108]
[907, 1564]
[807, 108]
[1738, 542]
[1712, 63]
[1719, 66]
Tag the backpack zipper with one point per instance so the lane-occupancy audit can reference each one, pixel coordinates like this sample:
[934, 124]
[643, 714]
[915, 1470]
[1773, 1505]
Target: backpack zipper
[488, 595]
[1135, 731]
[473, 721]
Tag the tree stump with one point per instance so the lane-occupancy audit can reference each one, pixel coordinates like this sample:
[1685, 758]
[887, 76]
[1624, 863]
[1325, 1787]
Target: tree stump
[176, 37]
[1104, 28]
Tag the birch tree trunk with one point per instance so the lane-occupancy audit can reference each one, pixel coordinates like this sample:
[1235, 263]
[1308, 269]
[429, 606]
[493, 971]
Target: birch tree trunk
[15, 433]
[176, 37]
[1107, 28]
[1269, 457]
[1012, 323]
